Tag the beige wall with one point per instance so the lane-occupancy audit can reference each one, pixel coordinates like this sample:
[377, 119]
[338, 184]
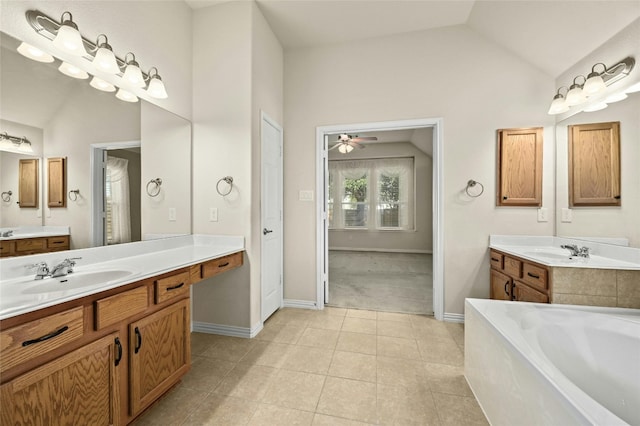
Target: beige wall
[420, 239]
[453, 73]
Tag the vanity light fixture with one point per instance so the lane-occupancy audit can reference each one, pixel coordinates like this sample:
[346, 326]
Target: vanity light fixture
[132, 72]
[576, 95]
[123, 95]
[31, 52]
[100, 84]
[68, 37]
[156, 86]
[15, 144]
[558, 105]
[72, 71]
[616, 97]
[104, 58]
[595, 83]
[633, 89]
[596, 107]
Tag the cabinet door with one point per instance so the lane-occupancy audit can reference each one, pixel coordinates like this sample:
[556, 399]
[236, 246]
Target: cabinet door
[519, 167]
[594, 164]
[28, 183]
[159, 353]
[524, 293]
[80, 388]
[500, 286]
[56, 182]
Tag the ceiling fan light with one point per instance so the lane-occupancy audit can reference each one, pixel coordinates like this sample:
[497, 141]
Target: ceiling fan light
[123, 95]
[72, 71]
[68, 37]
[594, 84]
[31, 52]
[100, 84]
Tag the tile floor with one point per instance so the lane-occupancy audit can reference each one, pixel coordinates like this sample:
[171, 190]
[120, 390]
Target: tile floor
[330, 367]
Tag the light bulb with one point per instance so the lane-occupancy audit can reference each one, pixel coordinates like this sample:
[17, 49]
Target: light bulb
[69, 38]
[594, 84]
[105, 60]
[616, 97]
[123, 95]
[72, 71]
[133, 75]
[558, 105]
[156, 87]
[34, 53]
[575, 95]
[342, 149]
[100, 84]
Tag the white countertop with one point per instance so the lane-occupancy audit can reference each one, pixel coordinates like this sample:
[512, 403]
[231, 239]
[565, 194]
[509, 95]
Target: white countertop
[547, 251]
[21, 232]
[136, 261]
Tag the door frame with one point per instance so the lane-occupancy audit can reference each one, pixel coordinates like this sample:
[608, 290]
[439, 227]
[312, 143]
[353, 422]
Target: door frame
[265, 118]
[97, 185]
[322, 249]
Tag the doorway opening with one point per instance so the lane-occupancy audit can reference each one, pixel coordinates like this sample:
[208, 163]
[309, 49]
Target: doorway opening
[380, 216]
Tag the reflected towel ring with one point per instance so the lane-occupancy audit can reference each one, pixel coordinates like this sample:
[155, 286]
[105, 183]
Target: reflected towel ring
[6, 196]
[229, 181]
[155, 190]
[73, 194]
[472, 183]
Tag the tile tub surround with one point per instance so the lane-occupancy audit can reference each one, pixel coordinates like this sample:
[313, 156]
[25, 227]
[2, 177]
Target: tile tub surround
[596, 287]
[20, 232]
[144, 259]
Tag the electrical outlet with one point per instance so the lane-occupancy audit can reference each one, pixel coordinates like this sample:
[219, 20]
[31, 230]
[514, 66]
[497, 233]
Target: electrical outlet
[213, 214]
[306, 195]
[172, 214]
[567, 215]
[543, 214]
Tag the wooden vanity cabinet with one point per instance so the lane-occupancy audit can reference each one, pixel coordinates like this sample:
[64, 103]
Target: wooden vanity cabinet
[26, 246]
[513, 278]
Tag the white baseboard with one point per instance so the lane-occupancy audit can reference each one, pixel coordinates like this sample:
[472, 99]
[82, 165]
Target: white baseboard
[300, 304]
[226, 330]
[381, 250]
[448, 317]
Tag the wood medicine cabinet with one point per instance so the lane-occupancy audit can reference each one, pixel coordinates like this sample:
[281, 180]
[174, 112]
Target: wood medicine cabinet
[56, 182]
[28, 183]
[594, 164]
[519, 167]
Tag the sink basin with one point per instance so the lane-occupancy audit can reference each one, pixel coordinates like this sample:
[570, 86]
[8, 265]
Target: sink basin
[76, 280]
[548, 254]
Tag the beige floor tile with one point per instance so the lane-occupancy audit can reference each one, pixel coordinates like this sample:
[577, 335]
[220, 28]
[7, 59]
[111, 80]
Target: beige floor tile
[247, 381]
[350, 399]
[353, 365]
[398, 371]
[308, 359]
[395, 329]
[319, 338]
[291, 316]
[201, 342]
[206, 373]
[324, 420]
[326, 322]
[222, 410]
[448, 379]
[357, 342]
[359, 325]
[362, 313]
[401, 405]
[398, 347]
[393, 316]
[270, 354]
[425, 327]
[281, 333]
[173, 408]
[457, 332]
[440, 351]
[331, 310]
[457, 410]
[272, 415]
[294, 389]
[230, 348]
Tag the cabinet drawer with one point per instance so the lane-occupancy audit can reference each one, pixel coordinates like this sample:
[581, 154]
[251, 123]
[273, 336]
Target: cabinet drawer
[27, 341]
[217, 266]
[173, 286]
[61, 243]
[535, 276]
[6, 248]
[497, 260]
[524, 293]
[116, 308]
[31, 244]
[512, 267]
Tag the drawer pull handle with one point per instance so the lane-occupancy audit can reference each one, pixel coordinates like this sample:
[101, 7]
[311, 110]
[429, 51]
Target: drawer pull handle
[46, 336]
[138, 340]
[175, 287]
[495, 260]
[119, 353]
[223, 265]
[537, 277]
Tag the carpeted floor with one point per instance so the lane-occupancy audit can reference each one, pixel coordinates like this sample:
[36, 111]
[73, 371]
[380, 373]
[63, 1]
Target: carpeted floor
[392, 282]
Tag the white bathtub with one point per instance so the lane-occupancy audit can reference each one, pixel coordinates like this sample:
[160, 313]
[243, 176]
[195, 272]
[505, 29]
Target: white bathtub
[536, 364]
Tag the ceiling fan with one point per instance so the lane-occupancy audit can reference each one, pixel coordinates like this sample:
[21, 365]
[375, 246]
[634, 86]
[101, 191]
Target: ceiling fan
[346, 143]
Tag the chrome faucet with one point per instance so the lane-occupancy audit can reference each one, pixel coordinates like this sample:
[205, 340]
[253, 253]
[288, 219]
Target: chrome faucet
[63, 268]
[572, 248]
[41, 271]
[584, 252]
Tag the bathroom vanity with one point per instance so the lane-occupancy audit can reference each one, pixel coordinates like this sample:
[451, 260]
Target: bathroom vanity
[21, 241]
[103, 354]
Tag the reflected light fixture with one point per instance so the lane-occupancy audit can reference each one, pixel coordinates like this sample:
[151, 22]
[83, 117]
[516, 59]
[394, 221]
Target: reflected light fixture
[15, 144]
[31, 52]
[156, 86]
[345, 148]
[123, 95]
[132, 73]
[72, 71]
[105, 60]
[68, 37]
[100, 84]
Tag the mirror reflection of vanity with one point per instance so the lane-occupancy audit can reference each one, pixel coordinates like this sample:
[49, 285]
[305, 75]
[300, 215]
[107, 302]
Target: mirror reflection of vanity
[66, 118]
[603, 221]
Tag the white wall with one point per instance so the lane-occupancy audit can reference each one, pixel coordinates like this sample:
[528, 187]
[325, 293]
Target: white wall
[418, 240]
[452, 73]
[158, 32]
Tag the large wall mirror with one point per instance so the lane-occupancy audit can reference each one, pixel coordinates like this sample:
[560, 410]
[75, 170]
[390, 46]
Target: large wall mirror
[66, 117]
[603, 221]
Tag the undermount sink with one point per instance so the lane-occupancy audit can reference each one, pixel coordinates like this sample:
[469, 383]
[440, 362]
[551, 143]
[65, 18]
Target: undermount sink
[76, 280]
[548, 254]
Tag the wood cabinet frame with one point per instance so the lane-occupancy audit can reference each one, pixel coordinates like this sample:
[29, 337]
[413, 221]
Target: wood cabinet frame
[519, 171]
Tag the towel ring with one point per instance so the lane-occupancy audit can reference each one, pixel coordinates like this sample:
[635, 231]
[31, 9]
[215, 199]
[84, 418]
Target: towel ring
[472, 183]
[154, 190]
[73, 194]
[229, 181]
[6, 196]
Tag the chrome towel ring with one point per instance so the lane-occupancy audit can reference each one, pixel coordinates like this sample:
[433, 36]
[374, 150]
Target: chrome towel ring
[6, 196]
[471, 184]
[229, 181]
[73, 194]
[154, 190]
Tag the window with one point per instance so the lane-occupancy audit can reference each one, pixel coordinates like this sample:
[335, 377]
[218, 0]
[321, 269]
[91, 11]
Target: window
[371, 194]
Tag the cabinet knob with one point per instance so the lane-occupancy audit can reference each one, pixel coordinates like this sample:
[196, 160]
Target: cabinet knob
[617, 197]
[504, 197]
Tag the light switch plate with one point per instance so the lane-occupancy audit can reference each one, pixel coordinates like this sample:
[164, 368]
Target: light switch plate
[567, 215]
[213, 214]
[306, 195]
[172, 214]
[543, 214]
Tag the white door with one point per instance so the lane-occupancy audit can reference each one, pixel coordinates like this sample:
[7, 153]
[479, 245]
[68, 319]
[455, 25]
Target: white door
[271, 214]
[325, 217]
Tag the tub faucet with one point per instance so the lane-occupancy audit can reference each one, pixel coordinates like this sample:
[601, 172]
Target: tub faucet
[63, 268]
[572, 248]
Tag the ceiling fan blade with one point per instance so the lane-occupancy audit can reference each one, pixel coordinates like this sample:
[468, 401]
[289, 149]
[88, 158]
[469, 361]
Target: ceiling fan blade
[356, 144]
[334, 147]
[364, 138]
